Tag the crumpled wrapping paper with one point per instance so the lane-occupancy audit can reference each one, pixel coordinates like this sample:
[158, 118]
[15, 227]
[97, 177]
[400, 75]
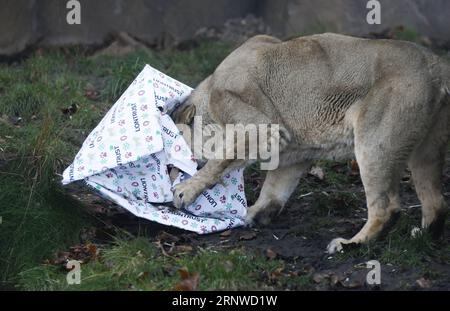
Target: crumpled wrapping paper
[126, 158]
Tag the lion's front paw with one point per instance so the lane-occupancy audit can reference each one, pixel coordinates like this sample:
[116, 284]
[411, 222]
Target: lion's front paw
[250, 217]
[336, 245]
[258, 216]
[185, 193]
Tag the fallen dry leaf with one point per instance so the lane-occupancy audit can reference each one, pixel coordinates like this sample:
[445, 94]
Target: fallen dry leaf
[61, 258]
[226, 234]
[271, 254]
[351, 278]
[293, 273]
[183, 249]
[39, 52]
[91, 94]
[163, 251]
[248, 236]
[424, 283]
[334, 279]
[317, 172]
[189, 281]
[352, 283]
[93, 250]
[354, 168]
[308, 269]
[82, 253]
[143, 275]
[276, 274]
[167, 237]
[319, 277]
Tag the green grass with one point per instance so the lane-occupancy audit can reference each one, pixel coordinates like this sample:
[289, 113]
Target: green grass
[408, 35]
[37, 217]
[137, 264]
[399, 248]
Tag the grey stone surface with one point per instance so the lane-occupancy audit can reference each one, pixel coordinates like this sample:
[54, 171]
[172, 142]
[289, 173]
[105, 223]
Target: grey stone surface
[161, 22]
[169, 22]
[427, 17]
[18, 25]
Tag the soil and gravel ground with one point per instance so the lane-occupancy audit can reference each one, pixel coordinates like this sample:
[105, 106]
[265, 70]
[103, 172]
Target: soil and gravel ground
[319, 211]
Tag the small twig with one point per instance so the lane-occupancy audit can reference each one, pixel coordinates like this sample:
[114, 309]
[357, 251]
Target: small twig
[306, 195]
[163, 251]
[415, 206]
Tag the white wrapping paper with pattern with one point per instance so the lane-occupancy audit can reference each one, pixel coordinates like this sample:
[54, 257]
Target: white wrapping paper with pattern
[126, 157]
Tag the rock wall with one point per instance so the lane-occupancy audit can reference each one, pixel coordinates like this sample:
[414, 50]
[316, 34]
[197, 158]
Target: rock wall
[162, 22]
[168, 22]
[430, 18]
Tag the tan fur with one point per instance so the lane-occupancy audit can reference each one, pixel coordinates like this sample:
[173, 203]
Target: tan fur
[335, 97]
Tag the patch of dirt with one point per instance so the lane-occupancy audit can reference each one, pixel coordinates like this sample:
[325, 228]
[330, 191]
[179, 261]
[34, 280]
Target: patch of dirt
[300, 234]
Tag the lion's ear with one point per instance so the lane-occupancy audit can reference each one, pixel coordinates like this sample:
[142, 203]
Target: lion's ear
[185, 114]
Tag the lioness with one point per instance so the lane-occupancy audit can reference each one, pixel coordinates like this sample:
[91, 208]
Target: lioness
[336, 97]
